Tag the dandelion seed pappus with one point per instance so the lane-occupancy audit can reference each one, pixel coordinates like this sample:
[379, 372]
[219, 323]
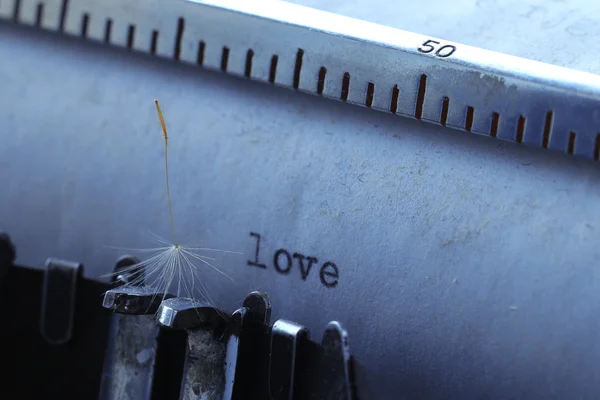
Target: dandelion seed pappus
[171, 267]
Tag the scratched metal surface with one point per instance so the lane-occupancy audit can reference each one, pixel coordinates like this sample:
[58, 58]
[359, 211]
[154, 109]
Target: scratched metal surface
[467, 266]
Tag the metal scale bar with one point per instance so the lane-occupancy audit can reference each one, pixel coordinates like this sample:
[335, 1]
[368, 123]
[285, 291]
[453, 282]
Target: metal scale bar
[346, 59]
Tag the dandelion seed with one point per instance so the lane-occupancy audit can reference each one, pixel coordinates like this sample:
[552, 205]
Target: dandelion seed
[166, 137]
[172, 265]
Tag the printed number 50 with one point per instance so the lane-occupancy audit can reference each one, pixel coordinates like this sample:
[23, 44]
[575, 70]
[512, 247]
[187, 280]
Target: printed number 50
[443, 52]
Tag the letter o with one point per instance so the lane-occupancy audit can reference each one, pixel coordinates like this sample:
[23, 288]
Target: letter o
[276, 257]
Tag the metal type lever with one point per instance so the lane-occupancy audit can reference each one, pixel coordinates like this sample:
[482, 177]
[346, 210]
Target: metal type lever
[58, 300]
[331, 376]
[7, 254]
[204, 369]
[130, 361]
[285, 340]
[248, 346]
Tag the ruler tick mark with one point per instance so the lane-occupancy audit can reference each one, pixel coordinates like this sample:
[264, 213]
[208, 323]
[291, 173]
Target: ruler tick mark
[178, 37]
[16, 11]
[248, 69]
[394, 102]
[469, 120]
[370, 94]
[84, 24]
[547, 130]
[520, 129]
[39, 14]
[421, 96]
[298, 68]
[273, 68]
[571, 149]
[63, 15]
[154, 42]
[494, 126]
[345, 86]
[321, 80]
[597, 148]
[224, 58]
[107, 30]
[200, 56]
[130, 36]
[444, 116]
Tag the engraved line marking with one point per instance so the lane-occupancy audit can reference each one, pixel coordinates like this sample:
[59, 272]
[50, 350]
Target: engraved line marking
[16, 11]
[547, 129]
[520, 129]
[571, 149]
[494, 126]
[200, 56]
[370, 91]
[394, 102]
[345, 86]
[469, 120]
[421, 97]
[39, 14]
[444, 116]
[224, 58]
[63, 15]
[84, 24]
[248, 68]
[154, 42]
[273, 68]
[298, 68]
[321, 80]
[130, 36]
[178, 37]
[107, 30]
